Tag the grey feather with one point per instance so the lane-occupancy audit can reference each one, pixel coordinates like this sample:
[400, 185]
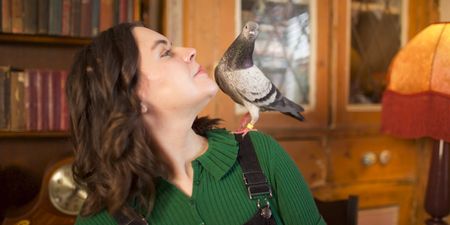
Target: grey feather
[246, 84]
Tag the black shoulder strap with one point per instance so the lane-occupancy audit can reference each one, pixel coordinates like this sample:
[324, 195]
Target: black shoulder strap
[254, 178]
[135, 219]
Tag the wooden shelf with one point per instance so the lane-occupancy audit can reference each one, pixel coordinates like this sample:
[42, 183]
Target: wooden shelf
[34, 134]
[43, 39]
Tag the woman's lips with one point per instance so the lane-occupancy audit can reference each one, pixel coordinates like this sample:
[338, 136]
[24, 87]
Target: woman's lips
[200, 71]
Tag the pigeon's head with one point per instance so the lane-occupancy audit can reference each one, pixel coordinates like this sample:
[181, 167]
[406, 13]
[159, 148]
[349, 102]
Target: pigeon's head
[250, 31]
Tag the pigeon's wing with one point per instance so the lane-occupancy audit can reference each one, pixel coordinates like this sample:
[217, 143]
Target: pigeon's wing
[222, 78]
[257, 89]
[254, 86]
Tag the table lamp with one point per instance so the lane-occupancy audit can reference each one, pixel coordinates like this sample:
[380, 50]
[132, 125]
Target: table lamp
[416, 103]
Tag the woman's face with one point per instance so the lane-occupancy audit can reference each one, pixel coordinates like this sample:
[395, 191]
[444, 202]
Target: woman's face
[169, 77]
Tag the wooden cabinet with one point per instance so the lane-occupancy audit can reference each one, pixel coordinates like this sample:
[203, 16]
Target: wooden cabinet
[372, 159]
[339, 148]
[379, 203]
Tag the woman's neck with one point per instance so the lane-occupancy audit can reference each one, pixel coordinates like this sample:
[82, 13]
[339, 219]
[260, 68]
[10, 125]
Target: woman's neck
[178, 144]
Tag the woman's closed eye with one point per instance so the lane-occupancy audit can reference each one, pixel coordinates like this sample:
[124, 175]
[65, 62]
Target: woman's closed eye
[167, 53]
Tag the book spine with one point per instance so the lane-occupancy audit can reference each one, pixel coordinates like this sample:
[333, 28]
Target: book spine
[17, 101]
[26, 100]
[43, 100]
[64, 106]
[43, 17]
[137, 10]
[8, 98]
[55, 24]
[75, 18]
[130, 5]
[66, 8]
[49, 101]
[1, 17]
[106, 14]
[2, 100]
[30, 19]
[33, 108]
[17, 16]
[116, 12]
[154, 13]
[56, 83]
[123, 9]
[86, 17]
[95, 16]
[45, 85]
[12, 100]
[39, 104]
[6, 16]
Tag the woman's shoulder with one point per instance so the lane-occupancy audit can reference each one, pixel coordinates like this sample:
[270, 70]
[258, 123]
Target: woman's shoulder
[255, 135]
[264, 145]
[100, 218]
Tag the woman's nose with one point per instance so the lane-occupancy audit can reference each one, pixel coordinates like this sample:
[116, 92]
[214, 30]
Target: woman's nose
[190, 54]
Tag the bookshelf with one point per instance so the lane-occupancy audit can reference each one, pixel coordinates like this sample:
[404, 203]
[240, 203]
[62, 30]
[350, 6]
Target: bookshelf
[34, 134]
[43, 39]
[31, 152]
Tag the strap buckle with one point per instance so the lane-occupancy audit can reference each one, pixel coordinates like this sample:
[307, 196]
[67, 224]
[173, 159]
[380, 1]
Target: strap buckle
[257, 184]
[258, 190]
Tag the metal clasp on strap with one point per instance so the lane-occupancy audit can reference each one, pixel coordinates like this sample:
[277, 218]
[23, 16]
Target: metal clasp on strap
[258, 190]
[257, 184]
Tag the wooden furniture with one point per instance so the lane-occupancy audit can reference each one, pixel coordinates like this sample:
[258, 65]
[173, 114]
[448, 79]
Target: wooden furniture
[24, 155]
[41, 210]
[31, 152]
[339, 212]
[339, 149]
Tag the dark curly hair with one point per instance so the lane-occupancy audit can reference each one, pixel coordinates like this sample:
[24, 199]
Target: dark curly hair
[114, 160]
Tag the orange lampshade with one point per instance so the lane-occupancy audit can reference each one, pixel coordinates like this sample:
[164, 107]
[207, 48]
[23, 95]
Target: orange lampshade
[416, 102]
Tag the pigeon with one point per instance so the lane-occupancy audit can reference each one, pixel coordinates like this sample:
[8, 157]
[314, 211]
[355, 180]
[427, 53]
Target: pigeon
[247, 85]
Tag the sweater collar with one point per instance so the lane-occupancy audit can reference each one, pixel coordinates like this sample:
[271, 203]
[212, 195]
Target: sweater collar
[221, 154]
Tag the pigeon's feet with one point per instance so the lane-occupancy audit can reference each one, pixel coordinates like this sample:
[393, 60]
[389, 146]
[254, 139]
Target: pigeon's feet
[245, 130]
[245, 121]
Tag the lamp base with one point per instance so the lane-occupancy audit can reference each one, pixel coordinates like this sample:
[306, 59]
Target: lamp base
[437, 199]
[435, 221]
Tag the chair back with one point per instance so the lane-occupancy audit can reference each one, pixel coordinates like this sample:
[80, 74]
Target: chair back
[339, 212]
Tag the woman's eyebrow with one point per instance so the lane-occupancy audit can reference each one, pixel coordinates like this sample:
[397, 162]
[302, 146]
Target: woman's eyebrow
[161, 41]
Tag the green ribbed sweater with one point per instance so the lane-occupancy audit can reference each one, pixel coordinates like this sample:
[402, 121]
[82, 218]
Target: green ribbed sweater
[219, 196]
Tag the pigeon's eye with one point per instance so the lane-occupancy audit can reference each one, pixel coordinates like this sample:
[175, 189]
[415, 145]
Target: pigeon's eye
[245, 27]
[167, 53]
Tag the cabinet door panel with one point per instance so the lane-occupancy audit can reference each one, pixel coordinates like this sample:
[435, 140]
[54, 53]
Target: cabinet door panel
[394, 201]
[385, 215]
[366, 38]
[315, 87]
[372, 159]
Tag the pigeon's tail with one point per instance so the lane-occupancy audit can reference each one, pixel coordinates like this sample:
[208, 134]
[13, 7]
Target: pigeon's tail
[295, 115]
[289, 108]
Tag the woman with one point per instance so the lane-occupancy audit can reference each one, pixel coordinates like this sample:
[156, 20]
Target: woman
[140, 148]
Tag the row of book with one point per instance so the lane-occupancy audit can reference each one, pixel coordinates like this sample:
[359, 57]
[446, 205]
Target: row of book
[77, 18]
[33, 100]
